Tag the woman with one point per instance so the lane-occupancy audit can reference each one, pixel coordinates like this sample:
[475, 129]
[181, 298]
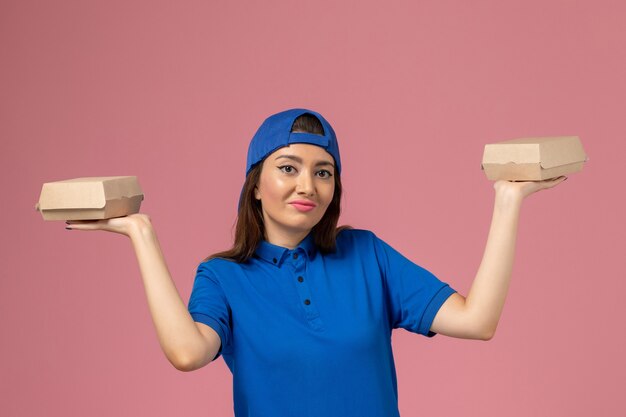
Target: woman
[301, 310]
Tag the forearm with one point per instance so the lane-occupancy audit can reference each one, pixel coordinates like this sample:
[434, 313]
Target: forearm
[476, 316]
[485, 300]
[178, 335]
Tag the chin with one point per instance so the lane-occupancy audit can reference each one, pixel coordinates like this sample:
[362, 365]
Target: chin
[300, 226]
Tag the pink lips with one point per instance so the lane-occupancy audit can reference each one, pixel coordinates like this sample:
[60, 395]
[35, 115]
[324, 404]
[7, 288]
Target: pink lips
[302, 205]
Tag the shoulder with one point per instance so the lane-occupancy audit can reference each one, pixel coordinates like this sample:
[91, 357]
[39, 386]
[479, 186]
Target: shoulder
[353, 233]
[358, 238]
[215, 268]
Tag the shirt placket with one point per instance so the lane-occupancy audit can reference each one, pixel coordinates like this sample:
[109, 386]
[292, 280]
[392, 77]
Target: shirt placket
[308, 303]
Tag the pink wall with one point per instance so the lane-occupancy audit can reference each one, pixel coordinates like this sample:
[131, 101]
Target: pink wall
[414, 90]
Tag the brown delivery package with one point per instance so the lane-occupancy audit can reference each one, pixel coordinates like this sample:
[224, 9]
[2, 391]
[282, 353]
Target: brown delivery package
[533, 159]
[90, 198]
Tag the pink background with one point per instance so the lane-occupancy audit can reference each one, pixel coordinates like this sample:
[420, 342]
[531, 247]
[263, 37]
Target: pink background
[173, 93]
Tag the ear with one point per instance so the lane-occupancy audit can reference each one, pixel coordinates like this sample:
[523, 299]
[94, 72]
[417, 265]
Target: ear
[257, 194]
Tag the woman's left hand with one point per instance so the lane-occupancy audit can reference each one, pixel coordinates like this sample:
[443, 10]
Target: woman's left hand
[523, 189]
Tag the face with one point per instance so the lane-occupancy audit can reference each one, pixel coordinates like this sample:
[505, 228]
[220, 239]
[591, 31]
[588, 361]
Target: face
[295, 173]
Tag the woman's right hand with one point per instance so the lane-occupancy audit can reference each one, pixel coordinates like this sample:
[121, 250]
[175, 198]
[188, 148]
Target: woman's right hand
[123, 225]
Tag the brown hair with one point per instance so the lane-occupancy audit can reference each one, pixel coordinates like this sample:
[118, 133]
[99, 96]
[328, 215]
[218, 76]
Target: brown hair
[249, 228]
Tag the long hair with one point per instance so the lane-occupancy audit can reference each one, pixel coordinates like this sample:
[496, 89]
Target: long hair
[250, 230]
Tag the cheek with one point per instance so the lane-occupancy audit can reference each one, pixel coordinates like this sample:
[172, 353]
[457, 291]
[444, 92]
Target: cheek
[273, 189]
[329, 192]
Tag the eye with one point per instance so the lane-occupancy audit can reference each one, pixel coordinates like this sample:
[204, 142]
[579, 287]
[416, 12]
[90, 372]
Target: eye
[288, 169]
[328, 174]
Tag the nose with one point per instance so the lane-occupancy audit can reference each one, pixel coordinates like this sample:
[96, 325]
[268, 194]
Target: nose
[305, 184]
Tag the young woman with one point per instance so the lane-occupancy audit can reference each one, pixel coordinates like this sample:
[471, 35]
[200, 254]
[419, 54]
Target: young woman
[301, 310]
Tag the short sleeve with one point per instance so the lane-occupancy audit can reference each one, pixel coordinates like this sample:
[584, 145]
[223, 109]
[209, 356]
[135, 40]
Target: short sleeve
[414, 295]
[208, 305]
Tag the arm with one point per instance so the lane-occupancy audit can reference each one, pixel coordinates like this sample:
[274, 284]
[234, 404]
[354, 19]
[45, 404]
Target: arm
[476, 316]
[187, 345]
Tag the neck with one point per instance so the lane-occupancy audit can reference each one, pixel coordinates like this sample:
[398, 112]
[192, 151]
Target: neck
[285, 239]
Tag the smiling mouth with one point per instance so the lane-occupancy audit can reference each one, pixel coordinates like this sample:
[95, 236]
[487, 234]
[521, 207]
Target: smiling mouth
[302, 207]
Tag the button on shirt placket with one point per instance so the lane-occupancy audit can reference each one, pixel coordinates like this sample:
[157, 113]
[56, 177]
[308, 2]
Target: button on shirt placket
[298, 263]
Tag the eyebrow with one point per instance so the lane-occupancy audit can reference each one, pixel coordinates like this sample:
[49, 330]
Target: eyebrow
[299, 160]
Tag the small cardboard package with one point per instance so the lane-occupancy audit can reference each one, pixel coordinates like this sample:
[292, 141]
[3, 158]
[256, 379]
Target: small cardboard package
[90, 198]
[533, 159]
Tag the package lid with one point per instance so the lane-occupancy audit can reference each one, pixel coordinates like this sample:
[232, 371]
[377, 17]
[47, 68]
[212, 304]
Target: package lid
[87, 192]
[550, 152]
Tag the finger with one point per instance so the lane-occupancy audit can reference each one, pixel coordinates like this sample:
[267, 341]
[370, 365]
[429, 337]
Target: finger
[545, 184]
[84, 224]
[556, 181]
[83, 221]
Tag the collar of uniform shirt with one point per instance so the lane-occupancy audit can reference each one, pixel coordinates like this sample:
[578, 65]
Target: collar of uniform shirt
[276, 255]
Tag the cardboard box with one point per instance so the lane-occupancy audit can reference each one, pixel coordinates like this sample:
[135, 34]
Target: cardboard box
[533, 159]
[90, 198]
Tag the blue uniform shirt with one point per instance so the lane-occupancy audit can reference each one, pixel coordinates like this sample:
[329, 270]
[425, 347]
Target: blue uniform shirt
[309, 334]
